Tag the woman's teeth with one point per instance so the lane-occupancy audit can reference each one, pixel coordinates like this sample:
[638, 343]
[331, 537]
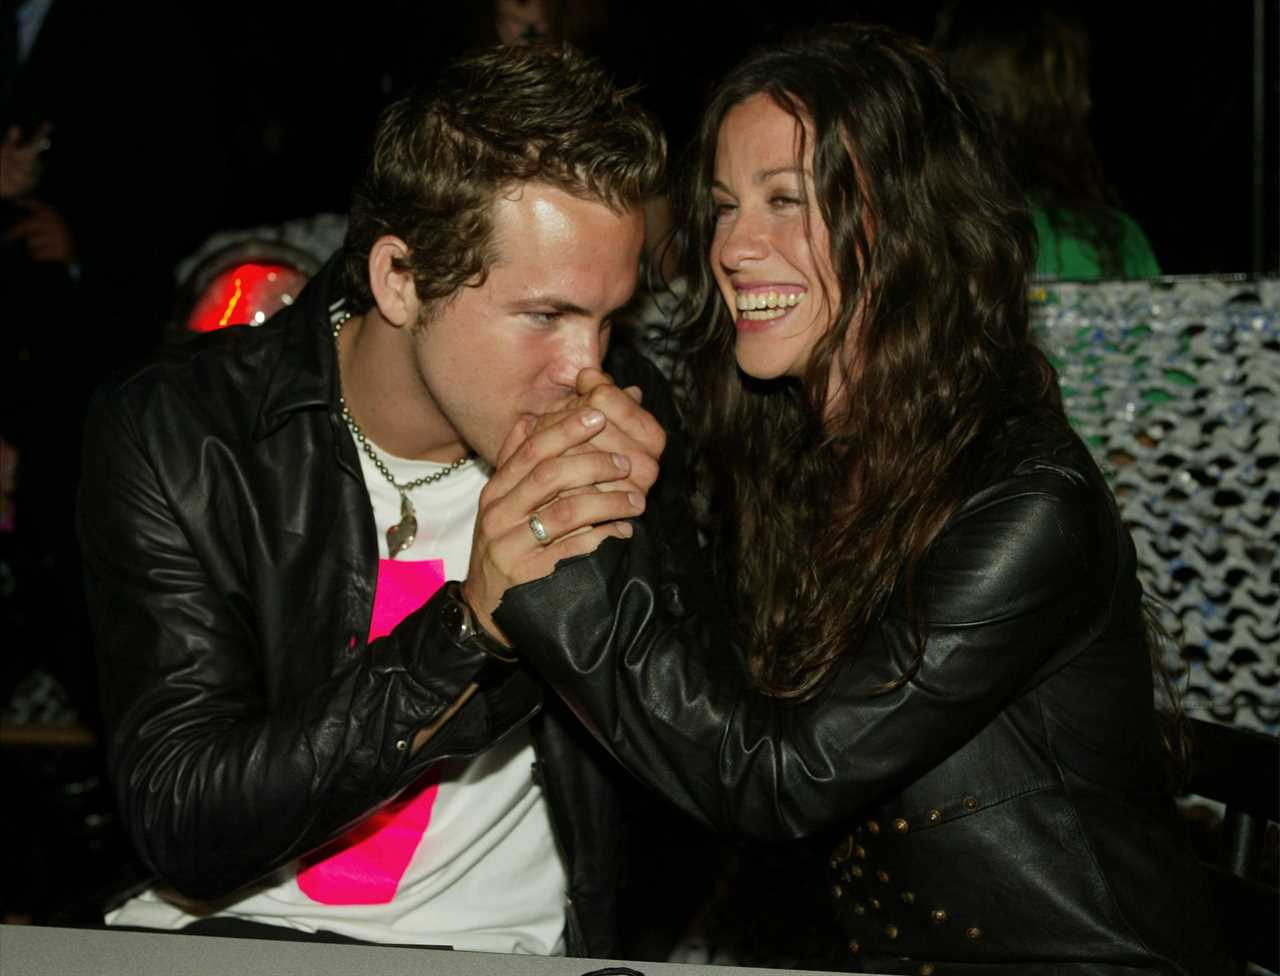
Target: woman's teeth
[760, 305]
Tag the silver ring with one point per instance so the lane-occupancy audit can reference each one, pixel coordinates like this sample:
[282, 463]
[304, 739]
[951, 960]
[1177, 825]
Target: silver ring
[538, 529]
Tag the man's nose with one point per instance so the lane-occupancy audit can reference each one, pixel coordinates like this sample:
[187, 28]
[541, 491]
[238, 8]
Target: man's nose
[579, 347]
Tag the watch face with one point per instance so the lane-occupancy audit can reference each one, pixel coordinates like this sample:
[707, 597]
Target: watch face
[455, 618]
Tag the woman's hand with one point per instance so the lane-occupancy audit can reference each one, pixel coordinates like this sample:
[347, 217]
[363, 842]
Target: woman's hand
[631, 430]
[536, 475]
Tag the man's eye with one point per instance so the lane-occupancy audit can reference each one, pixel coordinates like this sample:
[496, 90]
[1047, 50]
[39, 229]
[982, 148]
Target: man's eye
[544, 318]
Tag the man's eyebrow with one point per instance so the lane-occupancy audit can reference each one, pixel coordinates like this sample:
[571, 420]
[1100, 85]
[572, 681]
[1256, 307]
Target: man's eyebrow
[562, 306]
[552, 303]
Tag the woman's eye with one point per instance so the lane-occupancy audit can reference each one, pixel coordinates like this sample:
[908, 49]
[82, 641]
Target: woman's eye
[723, 210]
[784, 200]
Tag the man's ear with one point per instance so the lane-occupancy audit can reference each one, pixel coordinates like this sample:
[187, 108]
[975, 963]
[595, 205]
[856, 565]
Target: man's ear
[391, 282]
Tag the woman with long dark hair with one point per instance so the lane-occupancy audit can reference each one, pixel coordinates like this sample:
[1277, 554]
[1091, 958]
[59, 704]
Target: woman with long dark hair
[921, 644]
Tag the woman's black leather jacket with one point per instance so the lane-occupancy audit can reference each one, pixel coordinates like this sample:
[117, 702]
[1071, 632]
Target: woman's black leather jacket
[1003, 811]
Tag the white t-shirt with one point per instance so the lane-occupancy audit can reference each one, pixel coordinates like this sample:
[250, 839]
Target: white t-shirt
[464, 858]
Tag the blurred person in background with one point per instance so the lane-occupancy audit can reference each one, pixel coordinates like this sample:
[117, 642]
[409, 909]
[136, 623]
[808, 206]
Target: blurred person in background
[1029, 65]
[107, 173]
[105, 178]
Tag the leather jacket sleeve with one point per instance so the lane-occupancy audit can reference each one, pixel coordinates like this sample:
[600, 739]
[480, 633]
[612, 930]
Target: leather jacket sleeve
[230, 760]
[1019, 581]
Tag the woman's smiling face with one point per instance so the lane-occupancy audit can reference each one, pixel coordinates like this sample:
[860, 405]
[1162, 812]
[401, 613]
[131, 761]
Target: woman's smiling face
[771, 251]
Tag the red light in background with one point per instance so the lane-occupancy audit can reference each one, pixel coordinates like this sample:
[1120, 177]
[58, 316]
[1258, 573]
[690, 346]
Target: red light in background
[247, 294]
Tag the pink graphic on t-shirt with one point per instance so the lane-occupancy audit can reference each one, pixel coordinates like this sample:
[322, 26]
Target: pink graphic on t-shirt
[364, 866]
[402, 588]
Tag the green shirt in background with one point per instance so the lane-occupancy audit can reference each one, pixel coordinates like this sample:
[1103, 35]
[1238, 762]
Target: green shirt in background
[1070, 258]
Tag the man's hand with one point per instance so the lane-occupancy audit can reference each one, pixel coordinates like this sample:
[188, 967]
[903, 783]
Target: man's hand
[537, 470]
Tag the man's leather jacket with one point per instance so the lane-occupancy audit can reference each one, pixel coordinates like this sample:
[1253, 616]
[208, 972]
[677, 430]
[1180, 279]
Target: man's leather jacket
[231, 557]
[1002, 811]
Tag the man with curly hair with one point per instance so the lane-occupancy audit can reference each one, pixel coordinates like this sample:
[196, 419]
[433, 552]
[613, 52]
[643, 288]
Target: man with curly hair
[315, 729]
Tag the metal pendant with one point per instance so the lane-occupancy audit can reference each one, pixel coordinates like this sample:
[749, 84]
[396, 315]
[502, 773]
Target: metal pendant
[401, 535]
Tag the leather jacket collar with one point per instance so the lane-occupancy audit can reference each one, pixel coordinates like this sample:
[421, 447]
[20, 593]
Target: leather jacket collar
[305, 375]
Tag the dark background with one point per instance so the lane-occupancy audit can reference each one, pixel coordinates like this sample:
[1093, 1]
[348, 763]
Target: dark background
[297, 92]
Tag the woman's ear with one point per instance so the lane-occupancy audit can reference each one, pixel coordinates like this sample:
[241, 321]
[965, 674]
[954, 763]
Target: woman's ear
[392, 283]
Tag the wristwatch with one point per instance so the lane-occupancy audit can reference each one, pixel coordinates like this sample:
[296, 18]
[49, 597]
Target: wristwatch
[462, 627]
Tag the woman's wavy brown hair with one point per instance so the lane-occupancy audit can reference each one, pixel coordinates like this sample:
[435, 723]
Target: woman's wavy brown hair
[824, 520]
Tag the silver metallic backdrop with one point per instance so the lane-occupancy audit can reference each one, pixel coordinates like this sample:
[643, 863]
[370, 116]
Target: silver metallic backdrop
[1175, 385]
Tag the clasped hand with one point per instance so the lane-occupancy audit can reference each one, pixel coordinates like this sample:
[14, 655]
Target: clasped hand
[583, 468]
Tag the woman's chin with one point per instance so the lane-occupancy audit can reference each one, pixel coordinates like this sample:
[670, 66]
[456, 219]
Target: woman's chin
[763, 372]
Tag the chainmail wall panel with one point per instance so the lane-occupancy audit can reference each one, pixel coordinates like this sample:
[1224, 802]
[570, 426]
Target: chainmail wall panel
[1175, 385]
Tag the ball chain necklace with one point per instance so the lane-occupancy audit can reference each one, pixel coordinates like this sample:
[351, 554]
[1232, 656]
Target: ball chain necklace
[401, 535]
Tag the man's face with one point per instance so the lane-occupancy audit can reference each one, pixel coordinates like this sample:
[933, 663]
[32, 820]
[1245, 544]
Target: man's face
[515, 344]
